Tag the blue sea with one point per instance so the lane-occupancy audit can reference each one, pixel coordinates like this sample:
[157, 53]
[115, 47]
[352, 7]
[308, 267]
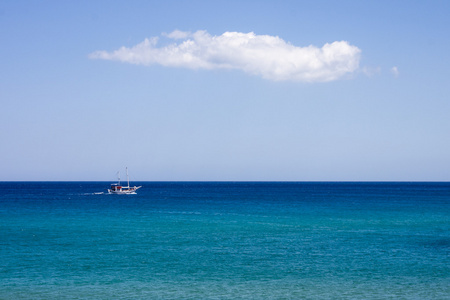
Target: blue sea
[225, 240]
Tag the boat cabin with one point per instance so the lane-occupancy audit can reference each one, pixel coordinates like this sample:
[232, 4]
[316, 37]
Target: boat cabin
[116, 188]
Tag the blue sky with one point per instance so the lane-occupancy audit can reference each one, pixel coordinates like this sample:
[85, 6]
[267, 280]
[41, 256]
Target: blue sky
[249, 92]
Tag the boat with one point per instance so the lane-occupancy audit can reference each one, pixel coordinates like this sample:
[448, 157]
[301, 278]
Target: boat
[117, 188]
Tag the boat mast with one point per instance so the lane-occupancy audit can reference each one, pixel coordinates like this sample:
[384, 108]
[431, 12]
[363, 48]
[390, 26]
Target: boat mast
[128, 180]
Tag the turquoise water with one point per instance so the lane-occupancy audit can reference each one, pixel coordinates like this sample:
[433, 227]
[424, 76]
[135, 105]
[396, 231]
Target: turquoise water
[225, 240]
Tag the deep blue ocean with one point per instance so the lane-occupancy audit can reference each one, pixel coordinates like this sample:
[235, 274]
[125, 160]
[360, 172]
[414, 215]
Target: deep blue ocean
[225, 240]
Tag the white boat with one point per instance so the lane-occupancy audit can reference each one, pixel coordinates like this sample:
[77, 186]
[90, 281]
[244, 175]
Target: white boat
[117, 188]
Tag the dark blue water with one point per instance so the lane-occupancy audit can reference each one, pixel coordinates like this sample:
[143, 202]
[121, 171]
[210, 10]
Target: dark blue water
[225, 240]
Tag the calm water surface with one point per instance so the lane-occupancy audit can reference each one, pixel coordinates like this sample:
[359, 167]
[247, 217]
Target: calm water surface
[198, 240]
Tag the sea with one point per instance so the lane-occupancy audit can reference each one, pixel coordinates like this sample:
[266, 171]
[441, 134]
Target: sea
[225, 240]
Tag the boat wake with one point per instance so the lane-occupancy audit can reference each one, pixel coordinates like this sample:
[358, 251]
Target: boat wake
[97, 193]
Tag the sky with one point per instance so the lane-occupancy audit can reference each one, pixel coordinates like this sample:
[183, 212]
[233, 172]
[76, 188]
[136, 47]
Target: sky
[225, 90]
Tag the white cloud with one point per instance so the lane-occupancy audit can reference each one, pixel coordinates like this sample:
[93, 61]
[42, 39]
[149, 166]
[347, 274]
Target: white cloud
[177, 34]
[395, 72]
[264, 55]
